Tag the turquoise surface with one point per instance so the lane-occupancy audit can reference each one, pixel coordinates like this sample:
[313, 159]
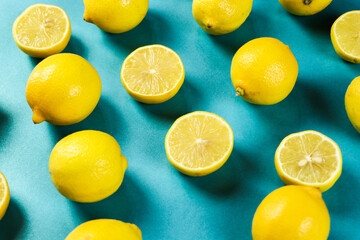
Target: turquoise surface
[162, 202]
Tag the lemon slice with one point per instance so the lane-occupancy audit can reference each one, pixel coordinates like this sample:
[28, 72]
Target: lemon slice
[152, 74]
[42, 30]
[345, 36]
[4, 195]
[199, 143]
[309, 158]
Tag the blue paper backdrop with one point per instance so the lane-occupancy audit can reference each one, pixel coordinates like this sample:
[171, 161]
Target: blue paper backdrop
[162, 202]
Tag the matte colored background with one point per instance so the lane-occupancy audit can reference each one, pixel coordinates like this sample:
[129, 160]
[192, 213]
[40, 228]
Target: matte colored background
[162, 202]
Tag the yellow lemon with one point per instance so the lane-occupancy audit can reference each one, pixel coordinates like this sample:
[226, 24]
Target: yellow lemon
[4, 195]
[42, 30]
[264, 71]
[292, 212]
[219, 17]
[152, 74]
[105, 229]
[87, 166]
[115, 16]
[345, 36]
[199, 143]
[304, 7]
[352, 103]
[63, 89]
[309, 158]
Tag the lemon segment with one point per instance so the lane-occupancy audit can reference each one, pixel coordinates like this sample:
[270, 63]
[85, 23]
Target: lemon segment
[199, 143]
[309, 158]
[4, 195]
[345, 36]
[42, 30]
[152, 74]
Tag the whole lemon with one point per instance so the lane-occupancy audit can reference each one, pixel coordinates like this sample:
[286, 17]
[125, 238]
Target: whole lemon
[219, 17]
[87, 166]
[115, 16]
[264, 71]
[352, 103]
[292, 212]
[105, 229]
[63, 89]
[304, 7]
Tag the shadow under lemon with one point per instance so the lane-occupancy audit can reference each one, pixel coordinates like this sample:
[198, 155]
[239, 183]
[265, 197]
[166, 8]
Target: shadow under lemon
[13, 222]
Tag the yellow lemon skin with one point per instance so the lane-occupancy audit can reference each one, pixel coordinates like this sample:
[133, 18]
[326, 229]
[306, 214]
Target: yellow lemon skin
[292, 212]
[115, 16]
[105, 229]
[304, 7]
[5, 198]
[41, 51]
[352, 103]
[218, 17]
[87, 166]
[264, 71]
[63, 89]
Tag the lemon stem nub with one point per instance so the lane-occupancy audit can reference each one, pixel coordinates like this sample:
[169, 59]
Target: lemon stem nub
[307, 2]
[240, 92]
[37, 117]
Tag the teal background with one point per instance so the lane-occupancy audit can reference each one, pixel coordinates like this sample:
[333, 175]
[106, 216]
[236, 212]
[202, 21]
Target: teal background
[162, 202]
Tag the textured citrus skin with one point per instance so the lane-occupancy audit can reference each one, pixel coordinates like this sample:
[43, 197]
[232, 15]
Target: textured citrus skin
[115, 16]
[6, 199]
[87, 166]
[304, 7]
[63, 89]
[219, 17]
[105, 229]
[42, 52]
[352, 103]
[292, 212]
[264, 71]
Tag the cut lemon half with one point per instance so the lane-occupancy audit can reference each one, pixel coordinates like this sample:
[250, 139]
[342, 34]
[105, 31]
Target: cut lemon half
[345, 36]
[4, 195]
[309, 158]
[152, 74]
[199, 143]
[42, 30]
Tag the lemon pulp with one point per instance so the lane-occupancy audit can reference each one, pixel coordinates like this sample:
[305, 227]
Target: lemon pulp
[199, 143]
[42, 30]
[4, 195]
[345, 36]
[309, 158]
[152, 74]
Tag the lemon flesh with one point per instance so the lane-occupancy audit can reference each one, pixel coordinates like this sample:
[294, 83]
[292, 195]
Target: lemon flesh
[292, 212]
[4, 195]
[304, 7]
[199, 143]
[152, 74]
[352, 103]
[115, 16]
[87, 166]
[105, 229]
[309, 158]
[345, 36]
[42, 30]
[218, 17]
[264, 71]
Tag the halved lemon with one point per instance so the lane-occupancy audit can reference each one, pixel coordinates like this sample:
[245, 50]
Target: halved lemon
[199, 143]
[42, 30]
[345, 36]
[309, 158]
[4, 195]
[152, 74]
